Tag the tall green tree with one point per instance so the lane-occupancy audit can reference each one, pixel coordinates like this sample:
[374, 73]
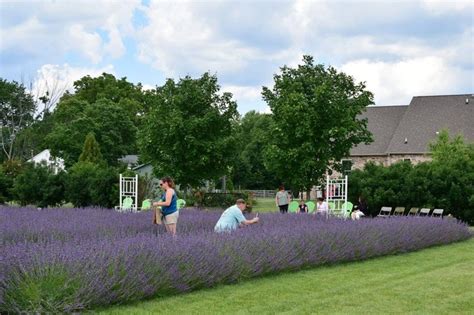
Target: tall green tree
[16, 113]
[188, 131]
[91, 151]
[253, 133]
[315, 112]
[125, 94]
[109, 122]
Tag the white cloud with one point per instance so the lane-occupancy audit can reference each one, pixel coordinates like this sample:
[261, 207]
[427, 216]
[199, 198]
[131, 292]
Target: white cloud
[178, 40]
[395, 83]
[90, 44]
[243, 93]
[439, 7]
[57, 79]
[51, 28]
[392, 45]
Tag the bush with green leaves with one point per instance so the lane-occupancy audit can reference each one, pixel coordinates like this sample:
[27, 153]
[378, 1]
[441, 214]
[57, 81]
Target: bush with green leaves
[90, 184]
[222, 199]
[37, 184]
[447, 182]
[6, 182]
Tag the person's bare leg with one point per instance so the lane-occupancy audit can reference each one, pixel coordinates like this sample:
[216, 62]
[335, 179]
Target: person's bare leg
[172, 229]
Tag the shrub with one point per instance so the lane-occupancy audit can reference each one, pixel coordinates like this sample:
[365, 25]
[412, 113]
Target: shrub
[432, 185]
[65, 260]
[9, 170]
[37, 184]
[91, 184]
[6, 183]
[222, 199]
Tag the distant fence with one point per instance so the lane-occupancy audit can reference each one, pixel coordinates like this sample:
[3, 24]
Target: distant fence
[255, 193]
[263, 193]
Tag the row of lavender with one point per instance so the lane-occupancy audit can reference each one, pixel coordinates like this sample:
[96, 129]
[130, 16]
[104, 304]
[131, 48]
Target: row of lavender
[71, 259]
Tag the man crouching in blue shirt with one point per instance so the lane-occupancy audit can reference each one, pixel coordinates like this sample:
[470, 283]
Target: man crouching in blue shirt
[232, 218]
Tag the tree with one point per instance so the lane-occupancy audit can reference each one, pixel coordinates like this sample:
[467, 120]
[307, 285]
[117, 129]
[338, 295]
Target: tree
[119, 91]
[188, 131]
[315, 121]
[253, 134]
[109, 122]
[91, 151]
[16, 113]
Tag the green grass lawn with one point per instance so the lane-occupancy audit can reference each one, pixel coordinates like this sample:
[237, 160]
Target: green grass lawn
[438, 280]
[265, 205]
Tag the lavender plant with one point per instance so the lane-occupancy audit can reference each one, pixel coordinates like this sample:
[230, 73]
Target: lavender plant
[65, 260]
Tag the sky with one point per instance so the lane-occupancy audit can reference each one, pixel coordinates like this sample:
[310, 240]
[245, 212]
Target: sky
[399, 48]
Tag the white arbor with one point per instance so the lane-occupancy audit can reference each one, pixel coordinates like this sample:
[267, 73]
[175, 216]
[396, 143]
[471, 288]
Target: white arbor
[128, 193]
[336, 195]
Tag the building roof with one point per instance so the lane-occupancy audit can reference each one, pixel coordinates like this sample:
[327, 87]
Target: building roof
[130, 159]
[410, 129]
[139, 167]
[382, 123]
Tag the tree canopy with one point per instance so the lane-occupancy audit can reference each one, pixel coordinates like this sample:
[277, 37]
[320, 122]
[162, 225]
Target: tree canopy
[110, 123]
[17, 110]
[315, 112]
[188, 132]
[253, 133]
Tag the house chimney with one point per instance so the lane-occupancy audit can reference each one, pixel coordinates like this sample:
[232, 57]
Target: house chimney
[406, 140]
[467, 100]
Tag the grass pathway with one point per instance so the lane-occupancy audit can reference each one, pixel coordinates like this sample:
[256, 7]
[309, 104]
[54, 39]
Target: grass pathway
[438, 280]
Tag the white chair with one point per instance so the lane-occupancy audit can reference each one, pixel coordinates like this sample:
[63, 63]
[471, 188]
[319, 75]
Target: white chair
[437, 213]
[424, 212]
[385, 212]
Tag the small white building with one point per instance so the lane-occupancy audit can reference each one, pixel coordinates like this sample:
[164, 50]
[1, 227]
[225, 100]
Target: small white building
[56, 164]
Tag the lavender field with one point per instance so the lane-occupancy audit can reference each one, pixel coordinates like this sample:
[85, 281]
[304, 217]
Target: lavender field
[65, 260]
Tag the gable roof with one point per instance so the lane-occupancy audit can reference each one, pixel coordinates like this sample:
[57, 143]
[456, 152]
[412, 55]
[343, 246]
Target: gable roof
[427, 115]
[418, 123]
[382, 123]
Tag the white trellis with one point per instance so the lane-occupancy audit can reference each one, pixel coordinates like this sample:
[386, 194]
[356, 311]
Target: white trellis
[336, 195]
[128, 193]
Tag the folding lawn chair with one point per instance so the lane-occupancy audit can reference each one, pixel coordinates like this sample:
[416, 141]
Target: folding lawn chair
[424, 212]
[437, 213]
[399, 211]
[413, 212]
[385, 212]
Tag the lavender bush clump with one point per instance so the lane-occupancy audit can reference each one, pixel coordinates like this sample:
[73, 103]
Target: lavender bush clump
[64, 260]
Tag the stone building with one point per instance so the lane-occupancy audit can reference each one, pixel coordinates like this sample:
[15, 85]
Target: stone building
[404, 132]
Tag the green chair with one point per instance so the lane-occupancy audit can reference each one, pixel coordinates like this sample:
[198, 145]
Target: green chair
[146, 204]
[181, 203]
[127, 203]
[347, 209]
[293, 207]
[311, 206]
[332, 206]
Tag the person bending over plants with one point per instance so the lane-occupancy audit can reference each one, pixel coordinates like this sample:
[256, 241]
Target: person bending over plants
[233, 218]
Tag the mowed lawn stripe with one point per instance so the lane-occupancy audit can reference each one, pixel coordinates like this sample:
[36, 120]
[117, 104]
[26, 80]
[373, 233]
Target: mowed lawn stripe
[437, 280]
